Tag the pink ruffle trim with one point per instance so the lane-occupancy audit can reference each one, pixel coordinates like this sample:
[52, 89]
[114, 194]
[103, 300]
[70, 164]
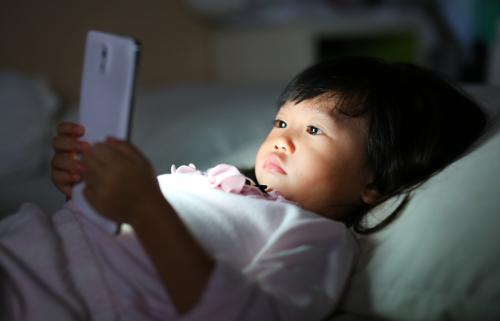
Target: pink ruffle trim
[229, 179]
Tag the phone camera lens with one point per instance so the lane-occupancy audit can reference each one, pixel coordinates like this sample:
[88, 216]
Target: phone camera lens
[104, 51]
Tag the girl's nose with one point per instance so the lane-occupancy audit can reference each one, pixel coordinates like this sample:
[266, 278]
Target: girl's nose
[284, 144]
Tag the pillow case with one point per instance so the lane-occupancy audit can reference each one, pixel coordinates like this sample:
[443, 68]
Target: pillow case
[203, 125]
[440, 259]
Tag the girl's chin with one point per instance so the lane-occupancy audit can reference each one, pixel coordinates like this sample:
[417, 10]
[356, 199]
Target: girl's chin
[273, 182]
[281, 191]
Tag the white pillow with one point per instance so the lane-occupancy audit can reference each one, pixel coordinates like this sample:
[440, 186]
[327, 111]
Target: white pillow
[27, 109]
[203, 125]
[440, 259]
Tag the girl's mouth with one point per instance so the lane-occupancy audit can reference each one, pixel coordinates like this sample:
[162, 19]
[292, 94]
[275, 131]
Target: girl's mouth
[273, 164]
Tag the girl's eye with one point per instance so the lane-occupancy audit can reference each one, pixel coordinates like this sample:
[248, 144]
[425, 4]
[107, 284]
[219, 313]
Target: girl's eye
[278, 123]
[313, 130]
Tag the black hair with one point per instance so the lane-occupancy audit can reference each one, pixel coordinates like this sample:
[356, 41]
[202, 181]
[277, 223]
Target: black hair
[418, 122]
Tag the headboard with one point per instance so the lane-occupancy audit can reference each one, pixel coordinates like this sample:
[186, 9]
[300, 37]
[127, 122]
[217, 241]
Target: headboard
[47, 38]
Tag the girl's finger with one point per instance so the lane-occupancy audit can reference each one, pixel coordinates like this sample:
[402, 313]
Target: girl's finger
[67, 190]
[66, 162]
[69, 144]
[71, 129]
[62, 178]
[64, 182]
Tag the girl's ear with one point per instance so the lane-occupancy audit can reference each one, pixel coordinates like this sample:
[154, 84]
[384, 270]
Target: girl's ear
[370, 194]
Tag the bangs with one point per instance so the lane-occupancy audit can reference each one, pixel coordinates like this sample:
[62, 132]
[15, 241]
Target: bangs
[339, 102]
[350, 81]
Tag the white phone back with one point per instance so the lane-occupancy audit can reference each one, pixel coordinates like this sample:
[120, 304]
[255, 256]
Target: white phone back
[106, 99]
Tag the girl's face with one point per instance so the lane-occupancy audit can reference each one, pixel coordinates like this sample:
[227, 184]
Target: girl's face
[317, 159]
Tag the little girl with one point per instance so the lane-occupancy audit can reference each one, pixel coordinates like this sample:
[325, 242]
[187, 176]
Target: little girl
[349, 134]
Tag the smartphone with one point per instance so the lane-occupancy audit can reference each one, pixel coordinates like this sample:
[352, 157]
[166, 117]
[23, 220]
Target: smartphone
[106, 101]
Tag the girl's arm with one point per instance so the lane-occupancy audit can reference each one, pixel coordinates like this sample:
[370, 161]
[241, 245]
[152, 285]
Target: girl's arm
[121, 184]
[183, 265]
[274, 261]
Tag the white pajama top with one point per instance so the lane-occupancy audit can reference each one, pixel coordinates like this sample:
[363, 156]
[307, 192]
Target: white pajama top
[275, 261]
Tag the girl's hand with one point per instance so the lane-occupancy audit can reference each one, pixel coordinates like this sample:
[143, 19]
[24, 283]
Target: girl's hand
[121, 185]
[119, 180]
[65, 166]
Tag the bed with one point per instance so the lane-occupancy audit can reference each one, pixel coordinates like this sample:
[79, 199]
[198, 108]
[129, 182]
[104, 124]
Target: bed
[438, 261]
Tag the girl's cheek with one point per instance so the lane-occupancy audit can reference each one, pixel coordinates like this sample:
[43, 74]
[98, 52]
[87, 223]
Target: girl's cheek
[260, 153]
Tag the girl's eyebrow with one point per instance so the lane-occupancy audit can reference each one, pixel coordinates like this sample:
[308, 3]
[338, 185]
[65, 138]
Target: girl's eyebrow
[328, 109]
[323, 109]
[324, 104]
